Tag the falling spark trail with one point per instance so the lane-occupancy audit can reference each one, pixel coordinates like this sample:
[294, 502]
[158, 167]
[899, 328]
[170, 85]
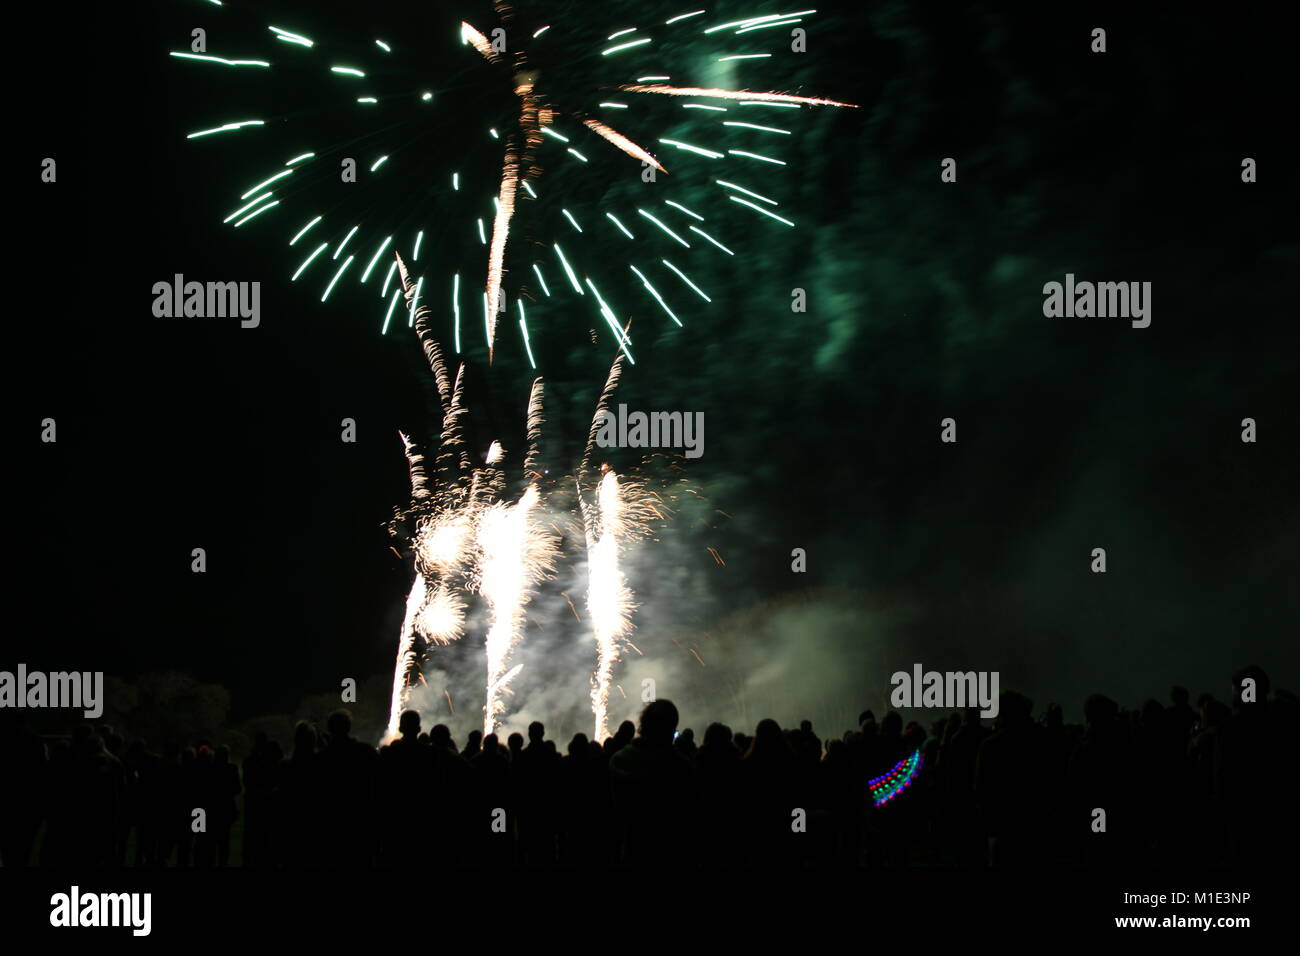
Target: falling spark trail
[732, 95]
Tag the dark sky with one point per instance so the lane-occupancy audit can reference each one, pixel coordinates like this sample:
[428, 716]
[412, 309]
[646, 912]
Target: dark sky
[822, 428]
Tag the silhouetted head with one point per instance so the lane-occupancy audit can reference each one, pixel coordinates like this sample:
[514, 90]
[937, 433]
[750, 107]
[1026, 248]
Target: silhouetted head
[892, 725]
[515, 742]
[536, 732]
[658, 721]
[339, 725]
[806, 726]
[1014, 708]
[1179, 695]
[717, 736]
[1099, 710]
[865, 716]
[768, 740]
[409, 723]
[626, 731]
[304, 739]
[490, 744]
[579, 746]
[440, 736]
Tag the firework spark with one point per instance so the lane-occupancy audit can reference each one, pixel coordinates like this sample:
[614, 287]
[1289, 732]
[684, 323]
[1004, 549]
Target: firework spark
[554, 85]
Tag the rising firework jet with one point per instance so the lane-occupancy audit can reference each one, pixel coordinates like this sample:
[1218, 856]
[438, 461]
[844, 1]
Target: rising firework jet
[467, 540]
[622, 511]
[497, 143]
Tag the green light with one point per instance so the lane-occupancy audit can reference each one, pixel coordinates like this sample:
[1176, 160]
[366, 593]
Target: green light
[330, 288]
[306, 262]
[299, 159]
[303, 231]
[550, 132]
[345, 242]
[701, 232]
[622, 228]
[742, 189]
[257, 212]
[664, 228]
[366, 99]
[703, 106]
[243, 209]
[455, 182]
[290, 36]
[426, 96]
[346, 71]
[388, 278]
[221, 60]
[618, 33]
[611, 321]
[655, 292]
[625, 46]
[613, 106]
[523, 327]
[528, 187]
[783, 106]
[227, 127]
[744, 56]
[482, 236]
[455, 309]
[542, 279]
[415, 301]
[573, 222]
[263, 185]
[763, 129]
[391, 305]
[573, 279]
[768, 26]
[745, 202]
[577, 154]
[691, 149]
[379, 162]
[383, 46]
[652, 79]
[419, 238]
[683, 16]
[677, 205]
[764, 159]
[682, 275]
[379, 252]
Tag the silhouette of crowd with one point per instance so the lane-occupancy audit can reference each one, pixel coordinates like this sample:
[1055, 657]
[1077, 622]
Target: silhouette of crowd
[1210, 784]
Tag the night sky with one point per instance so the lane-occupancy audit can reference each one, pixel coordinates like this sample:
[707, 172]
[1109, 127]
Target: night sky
[822, 429]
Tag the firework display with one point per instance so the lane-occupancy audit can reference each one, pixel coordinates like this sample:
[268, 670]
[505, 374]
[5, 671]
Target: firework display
[504, 167]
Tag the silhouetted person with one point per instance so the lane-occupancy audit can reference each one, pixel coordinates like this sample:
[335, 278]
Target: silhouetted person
[407, 786]
[654, 790]
[344, 772]
[1008, 787]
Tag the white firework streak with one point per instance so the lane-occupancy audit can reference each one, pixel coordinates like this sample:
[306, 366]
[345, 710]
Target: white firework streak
[515, 553]
[406, 653]
[609, 599]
